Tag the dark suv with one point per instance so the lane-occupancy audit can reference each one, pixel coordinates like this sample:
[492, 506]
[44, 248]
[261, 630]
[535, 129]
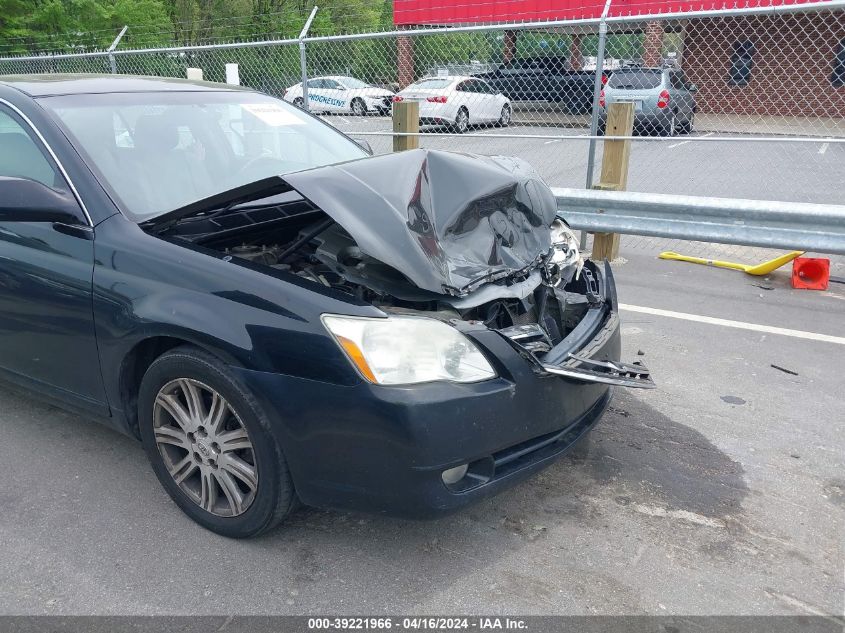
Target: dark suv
[545, 79]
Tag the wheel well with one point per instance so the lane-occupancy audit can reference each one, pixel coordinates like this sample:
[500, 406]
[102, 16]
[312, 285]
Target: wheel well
[134, 366]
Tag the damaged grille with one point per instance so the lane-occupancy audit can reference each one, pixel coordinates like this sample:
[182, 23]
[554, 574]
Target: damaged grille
[545, 317]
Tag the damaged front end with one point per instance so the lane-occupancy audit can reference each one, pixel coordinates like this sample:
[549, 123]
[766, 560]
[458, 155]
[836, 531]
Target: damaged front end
[470, 241]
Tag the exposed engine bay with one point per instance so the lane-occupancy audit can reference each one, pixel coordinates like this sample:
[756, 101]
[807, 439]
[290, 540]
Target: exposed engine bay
[554, 295]
[453, 237]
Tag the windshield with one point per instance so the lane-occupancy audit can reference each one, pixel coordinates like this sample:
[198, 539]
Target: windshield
[431, 83]
[352, 83]
[158, 151]
[635, 79]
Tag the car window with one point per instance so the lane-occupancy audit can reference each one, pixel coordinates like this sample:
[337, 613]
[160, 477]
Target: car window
[315, 83]
[677, 80]
[635, 79]
[520, 67]
[554, 63]
[23, 156]
[331, 84]
[484, 87]
[156, 152]
[352, 83]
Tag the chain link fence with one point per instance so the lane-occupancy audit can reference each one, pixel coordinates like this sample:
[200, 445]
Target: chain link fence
[744, 102]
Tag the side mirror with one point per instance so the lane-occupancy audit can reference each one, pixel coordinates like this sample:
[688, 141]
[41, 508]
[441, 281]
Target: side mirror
[365, 144]
[692, 88]
[25, 200]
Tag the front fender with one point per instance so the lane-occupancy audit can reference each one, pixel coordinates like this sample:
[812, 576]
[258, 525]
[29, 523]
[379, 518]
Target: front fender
[147, 287]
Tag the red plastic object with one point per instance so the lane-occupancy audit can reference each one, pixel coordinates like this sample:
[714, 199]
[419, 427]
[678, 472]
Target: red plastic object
[811, 273]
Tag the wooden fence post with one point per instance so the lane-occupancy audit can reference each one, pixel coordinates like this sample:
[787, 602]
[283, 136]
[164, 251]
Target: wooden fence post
[614, 170]
[406, 119]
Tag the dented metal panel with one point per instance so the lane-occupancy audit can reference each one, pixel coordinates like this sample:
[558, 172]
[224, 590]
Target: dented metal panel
[448, 222]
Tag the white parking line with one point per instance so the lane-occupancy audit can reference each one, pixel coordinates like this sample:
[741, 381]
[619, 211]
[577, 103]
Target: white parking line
[554, 140]
[823, 148]
[685, 142]
[741, 325]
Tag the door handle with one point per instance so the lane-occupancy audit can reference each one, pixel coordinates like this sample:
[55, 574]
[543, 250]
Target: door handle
[74, 230]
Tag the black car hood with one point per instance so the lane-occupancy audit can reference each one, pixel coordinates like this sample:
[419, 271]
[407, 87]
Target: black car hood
[447, 221]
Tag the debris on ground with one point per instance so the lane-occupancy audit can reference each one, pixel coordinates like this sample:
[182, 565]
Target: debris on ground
[785, 370]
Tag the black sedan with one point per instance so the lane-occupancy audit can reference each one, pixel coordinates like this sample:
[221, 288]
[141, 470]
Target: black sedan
[280, 316]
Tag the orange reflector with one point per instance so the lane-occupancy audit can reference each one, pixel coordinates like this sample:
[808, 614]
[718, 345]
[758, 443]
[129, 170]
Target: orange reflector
[357, 357]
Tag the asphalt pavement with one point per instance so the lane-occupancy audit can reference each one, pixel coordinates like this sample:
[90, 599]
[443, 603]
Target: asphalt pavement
[795, 172]
[720, 492]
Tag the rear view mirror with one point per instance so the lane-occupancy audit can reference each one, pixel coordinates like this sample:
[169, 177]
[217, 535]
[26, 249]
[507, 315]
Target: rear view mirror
[692, 88]
[25, 200]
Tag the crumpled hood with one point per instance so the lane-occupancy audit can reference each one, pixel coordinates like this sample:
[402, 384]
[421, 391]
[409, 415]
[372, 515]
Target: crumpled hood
[447, 221]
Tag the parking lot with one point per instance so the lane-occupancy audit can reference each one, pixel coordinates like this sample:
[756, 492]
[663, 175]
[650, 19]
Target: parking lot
[799, 172]
[720, 492]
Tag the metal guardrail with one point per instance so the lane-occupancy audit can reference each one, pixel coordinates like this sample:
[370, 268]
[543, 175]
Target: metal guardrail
[791, 225]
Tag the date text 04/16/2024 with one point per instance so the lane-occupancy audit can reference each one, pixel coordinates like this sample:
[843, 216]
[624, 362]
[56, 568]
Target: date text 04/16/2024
[417, 623]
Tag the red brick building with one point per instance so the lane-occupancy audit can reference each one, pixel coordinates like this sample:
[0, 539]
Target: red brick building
[788, 64]
[776, 65]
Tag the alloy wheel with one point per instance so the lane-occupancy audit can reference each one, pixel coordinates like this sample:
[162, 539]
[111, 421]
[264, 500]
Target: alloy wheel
[205, 447]
[358, 108]
[462, 120]
[505, 118]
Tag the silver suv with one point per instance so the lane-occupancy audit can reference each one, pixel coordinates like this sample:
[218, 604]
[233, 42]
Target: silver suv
[664, 101]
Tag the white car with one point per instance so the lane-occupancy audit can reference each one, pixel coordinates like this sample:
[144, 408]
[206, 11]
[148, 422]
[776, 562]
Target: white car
[457, 101]
[341, 94]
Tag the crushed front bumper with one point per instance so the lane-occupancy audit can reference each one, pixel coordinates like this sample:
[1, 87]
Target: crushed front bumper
[384, 449]
[579, 356]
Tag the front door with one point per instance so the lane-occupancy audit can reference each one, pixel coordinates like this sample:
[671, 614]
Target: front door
[46, 318]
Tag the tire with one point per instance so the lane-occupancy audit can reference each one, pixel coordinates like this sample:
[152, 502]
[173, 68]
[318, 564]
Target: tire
[359, 108]
[461, 121]
[505, 117]
[671, 128]
[252, 474]
[298, 102]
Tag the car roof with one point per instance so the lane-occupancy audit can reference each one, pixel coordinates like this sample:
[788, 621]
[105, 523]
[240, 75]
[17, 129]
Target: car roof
[52, 85]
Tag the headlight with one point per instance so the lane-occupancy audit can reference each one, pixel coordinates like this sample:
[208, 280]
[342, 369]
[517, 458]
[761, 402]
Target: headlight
[402, 350]
[564, 244]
